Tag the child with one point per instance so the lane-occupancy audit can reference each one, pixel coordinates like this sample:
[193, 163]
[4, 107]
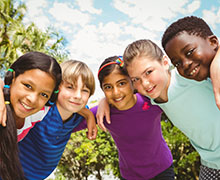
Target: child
[29, 84]
[42, 148]
[135, 127]
[189, 104]
[191, 47]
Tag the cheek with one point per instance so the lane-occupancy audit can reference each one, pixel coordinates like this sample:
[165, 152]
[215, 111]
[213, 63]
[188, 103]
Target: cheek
[64, 93]
[139, 88]
[85, 98]
[41, 104]
[15, 95]
[108, 96]
[181, 71]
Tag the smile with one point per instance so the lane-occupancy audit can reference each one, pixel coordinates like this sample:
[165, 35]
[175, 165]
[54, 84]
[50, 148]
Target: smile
[193, 71]
[26, 107]
[78, 104]
[118, 99]
[150, 89]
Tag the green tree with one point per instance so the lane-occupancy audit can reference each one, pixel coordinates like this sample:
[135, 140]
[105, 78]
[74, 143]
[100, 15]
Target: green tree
[17, 39]
[83, 157]
[10, 19]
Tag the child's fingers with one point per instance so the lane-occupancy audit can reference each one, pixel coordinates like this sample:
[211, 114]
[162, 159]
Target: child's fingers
[92, 133]
[107, 117]
[3, 117]
[215, 76]
[101, 124]
[217, 98]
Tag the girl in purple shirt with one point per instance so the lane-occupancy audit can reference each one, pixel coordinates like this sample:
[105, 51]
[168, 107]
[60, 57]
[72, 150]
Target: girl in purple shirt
[135, 126]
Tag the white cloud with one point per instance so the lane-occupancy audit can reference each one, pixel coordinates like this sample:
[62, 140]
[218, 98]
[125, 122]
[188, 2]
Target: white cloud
[64, 12]
[36, 14]
[193, 6]
[211, 17]
[95, 43]
[36, 7]
[87, 5]
[153, 14]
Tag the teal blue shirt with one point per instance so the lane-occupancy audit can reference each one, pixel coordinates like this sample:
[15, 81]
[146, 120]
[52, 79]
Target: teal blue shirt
[191, 107]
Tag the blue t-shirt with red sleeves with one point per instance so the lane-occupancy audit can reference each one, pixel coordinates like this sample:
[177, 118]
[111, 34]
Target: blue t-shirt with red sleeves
[143, 152]
[42, 148]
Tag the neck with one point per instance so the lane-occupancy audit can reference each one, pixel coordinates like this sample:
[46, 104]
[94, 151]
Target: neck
[163, 98]
[130, 104]
[65, 114]
[19, 122]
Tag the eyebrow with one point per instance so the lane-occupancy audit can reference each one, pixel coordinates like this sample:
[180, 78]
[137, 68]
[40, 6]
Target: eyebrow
[29, 81]
[185, 47]
[146, 69]
[116, 81]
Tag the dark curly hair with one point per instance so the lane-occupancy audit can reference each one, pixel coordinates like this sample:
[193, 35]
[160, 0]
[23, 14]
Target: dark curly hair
[190, 24]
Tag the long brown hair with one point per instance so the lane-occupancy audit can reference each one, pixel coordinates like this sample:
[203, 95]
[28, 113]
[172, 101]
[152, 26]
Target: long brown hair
[10, 167]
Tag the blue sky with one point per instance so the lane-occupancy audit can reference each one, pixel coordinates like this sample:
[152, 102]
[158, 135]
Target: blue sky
[97, 29]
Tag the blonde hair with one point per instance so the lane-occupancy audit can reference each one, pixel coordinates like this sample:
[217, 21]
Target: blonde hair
[143, 47]
[73, 69]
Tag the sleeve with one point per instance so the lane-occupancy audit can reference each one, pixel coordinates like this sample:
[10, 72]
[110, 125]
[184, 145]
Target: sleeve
[83, 125]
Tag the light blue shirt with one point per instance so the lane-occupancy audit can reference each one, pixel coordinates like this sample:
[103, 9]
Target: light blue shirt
[191, 107]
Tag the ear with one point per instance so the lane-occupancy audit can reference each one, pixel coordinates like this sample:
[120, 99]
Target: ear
[13, 78]
[213, 41]
[166, 62]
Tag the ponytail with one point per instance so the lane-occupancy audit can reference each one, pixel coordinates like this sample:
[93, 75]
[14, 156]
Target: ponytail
[10, 167]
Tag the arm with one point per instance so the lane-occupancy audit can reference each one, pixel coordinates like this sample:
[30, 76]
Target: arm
[2, 105]
[103, 111]
[91, 123]
[215, 76]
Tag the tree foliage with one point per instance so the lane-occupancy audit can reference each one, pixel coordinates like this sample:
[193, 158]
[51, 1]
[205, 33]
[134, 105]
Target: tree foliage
[16, 38]
[83, 157]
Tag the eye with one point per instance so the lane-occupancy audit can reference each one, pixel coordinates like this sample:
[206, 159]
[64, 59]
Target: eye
[148, 72]
[177, 64]
[28, 86]
[107, 87]
[122, 83]
[86, 90]
[44, 95]
[188, 53]
[70, 87]
[134, 80]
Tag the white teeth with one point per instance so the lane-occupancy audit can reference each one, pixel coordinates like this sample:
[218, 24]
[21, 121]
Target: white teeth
[25, 106]
[150, 89]
[193, 71]
[119, 99]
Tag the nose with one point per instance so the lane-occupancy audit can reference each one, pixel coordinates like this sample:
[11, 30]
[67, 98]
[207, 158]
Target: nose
[77, 94]
[115, 91]
[186, 63]
[32, 97]
[145, 82]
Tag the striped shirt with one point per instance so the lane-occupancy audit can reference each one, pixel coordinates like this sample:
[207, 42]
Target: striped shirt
[42, 148]
[30, 122]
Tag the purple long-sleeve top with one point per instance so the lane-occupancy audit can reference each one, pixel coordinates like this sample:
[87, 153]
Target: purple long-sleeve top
[143, 152]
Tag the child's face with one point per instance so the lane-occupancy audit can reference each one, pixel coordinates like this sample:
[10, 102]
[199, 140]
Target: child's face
[192, 55]
[150, 77]
[30, 91]
[118, 90]
[72, 97]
